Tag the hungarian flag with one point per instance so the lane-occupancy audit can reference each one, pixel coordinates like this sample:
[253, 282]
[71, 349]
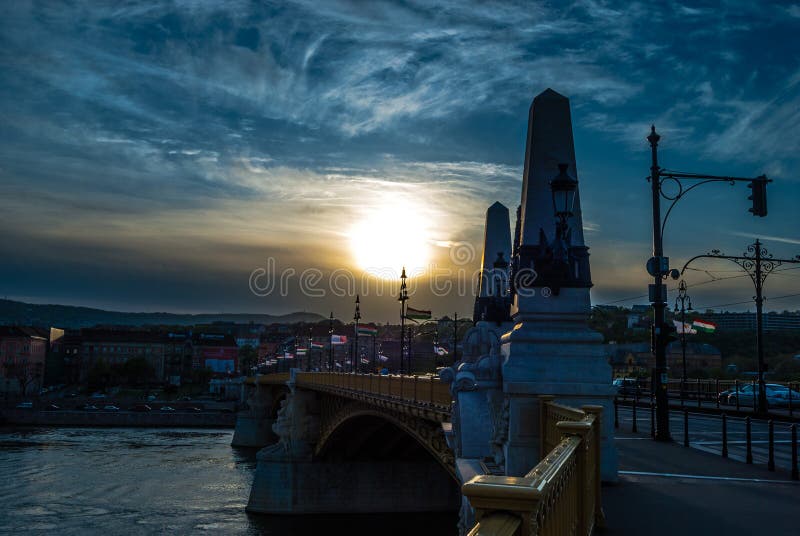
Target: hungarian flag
[288, 355]
[417, 314]
[364, 361]
[302, 351]
[704, 326]
[338, 339]
[368, 331]
[681, 327]
[317, 346]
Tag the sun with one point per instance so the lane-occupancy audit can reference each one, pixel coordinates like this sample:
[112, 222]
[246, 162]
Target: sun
[390, 237]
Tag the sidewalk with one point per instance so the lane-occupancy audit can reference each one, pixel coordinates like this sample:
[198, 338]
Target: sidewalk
[667, 489]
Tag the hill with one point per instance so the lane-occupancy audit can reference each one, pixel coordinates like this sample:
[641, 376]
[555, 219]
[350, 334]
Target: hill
[69, 316]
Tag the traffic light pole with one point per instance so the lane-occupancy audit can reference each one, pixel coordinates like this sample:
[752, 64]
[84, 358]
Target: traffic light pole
[658, 265]
[758, 263]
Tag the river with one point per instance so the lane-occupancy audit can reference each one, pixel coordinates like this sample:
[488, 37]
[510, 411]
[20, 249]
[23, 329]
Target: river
[153, 481]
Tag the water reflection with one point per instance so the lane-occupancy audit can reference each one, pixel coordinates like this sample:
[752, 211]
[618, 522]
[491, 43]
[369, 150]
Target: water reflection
[140, 481]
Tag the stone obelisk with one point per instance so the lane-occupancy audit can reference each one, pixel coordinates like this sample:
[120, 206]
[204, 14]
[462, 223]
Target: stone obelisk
[551, 350]
[492, 301]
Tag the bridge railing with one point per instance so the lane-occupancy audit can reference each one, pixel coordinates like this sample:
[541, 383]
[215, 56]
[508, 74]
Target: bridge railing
[427, 390]
[561, 495]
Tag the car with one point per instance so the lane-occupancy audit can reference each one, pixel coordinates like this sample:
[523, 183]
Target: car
[25, 405]
[185, 398]
[194, 409]
[150, 398]
[97, 395]
[141, 407]
[627, 386]
[110, 407]
[89, 407]
[777, 395]
[166, 408]
[782, 395]
[71, 395]
[52, 407]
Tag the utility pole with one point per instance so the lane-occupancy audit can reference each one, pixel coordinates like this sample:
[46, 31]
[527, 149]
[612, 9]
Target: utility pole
[658, 265]
[402, 299]
[455, 338]
[758, 263]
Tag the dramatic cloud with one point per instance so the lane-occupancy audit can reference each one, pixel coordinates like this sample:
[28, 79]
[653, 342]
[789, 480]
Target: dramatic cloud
[153, 155]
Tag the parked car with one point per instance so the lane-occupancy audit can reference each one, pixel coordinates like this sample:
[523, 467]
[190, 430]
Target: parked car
[777, 395]
[52, 407]
[166, 408]
[97, 395]
[25, 405]
[110, 407]
[141, 407]
[627, 386]
[89, 407]
[194, 409]
[782, 395]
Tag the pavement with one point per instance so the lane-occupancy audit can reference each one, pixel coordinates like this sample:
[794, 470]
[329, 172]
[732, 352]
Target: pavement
[668, 489]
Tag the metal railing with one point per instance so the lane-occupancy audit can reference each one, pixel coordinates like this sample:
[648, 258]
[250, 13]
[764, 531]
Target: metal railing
[561, 495]
[418, 390]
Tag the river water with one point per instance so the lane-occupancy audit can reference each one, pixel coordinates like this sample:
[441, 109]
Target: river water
[152, 481]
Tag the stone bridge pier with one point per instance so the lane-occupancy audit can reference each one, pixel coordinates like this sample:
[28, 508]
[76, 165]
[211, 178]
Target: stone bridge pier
[340, 452]
[262, 401]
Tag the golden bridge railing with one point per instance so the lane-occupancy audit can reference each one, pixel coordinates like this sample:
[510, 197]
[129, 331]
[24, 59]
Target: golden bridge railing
[560, 496]
[426, 390]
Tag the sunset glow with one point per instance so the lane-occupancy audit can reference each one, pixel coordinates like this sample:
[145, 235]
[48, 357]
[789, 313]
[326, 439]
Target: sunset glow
[390, 237]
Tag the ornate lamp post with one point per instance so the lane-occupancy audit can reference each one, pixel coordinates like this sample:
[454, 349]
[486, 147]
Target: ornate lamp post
[330, 344]
[402, 299]
[563, 189]
[683, 298]
[356, 318]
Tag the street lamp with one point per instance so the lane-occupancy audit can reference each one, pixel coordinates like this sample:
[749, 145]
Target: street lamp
[683, 298]
[356, 318]
[330, 344]
[563, 189]
[402, 299]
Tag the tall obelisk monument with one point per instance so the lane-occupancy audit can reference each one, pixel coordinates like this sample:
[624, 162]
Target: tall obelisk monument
[551, 350]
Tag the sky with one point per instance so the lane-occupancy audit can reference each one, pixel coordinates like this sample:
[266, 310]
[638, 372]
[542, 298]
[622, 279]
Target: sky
[195, 156]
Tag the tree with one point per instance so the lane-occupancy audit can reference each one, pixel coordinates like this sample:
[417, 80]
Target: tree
[248, 357]
[24, 372]
[137, 370]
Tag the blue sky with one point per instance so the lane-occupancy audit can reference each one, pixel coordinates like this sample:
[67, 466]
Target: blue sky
[153, 155]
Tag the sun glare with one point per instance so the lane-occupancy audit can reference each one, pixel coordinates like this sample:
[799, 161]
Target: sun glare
[388, 238]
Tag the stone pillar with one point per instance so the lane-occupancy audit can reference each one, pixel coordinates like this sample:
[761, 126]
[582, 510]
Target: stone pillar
[254, 424]
[551, 349]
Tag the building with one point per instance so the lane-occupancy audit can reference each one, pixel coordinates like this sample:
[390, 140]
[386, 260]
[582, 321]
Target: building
[699, 356]
[215, 351]
[115, 346]
[773, 321]
[23, 353]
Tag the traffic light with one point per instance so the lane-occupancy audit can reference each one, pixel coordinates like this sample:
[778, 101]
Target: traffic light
[759, 196]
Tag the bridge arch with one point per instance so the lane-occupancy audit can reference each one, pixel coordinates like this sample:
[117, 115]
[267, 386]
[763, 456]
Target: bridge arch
[354, 430]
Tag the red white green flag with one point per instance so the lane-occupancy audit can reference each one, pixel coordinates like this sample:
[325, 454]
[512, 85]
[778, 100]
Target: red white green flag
[705, 326]
[367, 331]
[417, 314]
[317, 346]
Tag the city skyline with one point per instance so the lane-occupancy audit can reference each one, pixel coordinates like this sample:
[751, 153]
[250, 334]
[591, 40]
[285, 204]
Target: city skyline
[155, 157]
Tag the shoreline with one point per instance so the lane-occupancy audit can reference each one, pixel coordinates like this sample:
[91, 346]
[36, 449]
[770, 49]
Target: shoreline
[116, 419]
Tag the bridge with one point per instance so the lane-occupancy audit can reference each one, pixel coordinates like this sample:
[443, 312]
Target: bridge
[516, 436]
[358, 432]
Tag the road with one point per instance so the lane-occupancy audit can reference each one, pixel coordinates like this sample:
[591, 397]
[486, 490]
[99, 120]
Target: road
[705, 433]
